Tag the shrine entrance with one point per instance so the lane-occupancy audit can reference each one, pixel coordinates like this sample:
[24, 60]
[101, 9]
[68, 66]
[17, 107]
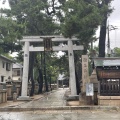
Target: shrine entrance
[48, 45]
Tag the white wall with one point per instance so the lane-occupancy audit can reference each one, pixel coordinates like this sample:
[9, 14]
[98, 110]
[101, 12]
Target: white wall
[3, 71]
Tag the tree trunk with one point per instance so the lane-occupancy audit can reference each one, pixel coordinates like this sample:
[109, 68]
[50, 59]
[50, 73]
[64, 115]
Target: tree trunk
[102, 38]
[33, 85]
[40, 76]
[46, 82]
[76, 59]
[30, 76]
[40, 81]
[77, 83]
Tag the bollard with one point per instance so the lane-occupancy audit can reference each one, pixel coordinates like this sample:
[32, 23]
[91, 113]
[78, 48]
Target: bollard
[14, 97]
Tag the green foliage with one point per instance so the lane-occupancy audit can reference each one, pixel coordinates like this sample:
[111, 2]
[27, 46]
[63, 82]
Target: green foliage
[33, 15]
[9, 35]
[81, 19]
[56, 65]
[116, 52]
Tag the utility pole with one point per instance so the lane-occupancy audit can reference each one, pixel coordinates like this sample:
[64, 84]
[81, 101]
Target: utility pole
[109, 51]
[110, 27]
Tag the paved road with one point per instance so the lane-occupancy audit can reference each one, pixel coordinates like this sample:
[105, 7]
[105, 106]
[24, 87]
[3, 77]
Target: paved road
[61, 115]
[55, 98]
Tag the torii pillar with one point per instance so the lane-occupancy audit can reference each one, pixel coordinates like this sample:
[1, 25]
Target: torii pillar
[72, 68]
[25, 73]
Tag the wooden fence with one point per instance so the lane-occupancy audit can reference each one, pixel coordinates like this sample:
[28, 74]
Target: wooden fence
[110, 87]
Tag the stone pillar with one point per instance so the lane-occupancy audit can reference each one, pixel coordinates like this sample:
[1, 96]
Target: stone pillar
[57, 85]
[72, 68]
[85, 76]
[25, 73]
[9, 91]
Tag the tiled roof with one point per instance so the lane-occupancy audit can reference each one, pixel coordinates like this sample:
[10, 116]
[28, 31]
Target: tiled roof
[106, 61]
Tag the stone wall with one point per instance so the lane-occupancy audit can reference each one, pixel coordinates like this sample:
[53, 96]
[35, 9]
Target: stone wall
[109, 100]
[13, 87]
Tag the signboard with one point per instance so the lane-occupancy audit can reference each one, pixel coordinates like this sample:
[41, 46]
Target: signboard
[47, 44]
[89, 89]
[84, 71]
[110, 74]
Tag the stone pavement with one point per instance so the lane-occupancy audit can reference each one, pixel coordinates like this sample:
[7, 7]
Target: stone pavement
[62, 115]
[53, 100]
[50, 99]
[52, 106]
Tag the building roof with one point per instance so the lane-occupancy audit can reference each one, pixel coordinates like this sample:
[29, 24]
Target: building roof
[4, 57]
[111, 61]
[17, 65]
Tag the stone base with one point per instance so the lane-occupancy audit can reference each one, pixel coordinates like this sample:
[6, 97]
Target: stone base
[72, 97]
[24, 98]
[9, 97]
[72, 103]
[109, 100]
[85, 100]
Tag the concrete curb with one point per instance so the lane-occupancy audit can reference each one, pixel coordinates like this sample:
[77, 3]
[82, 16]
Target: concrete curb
[61, 108]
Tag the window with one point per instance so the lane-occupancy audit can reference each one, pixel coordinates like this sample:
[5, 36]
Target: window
[8, 66]
[18, 72]
[2, 78]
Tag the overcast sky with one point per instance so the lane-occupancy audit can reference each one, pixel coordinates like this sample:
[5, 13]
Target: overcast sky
[114, 20]
[4, 5]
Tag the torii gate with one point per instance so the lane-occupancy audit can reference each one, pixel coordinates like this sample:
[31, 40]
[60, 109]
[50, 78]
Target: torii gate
[27, 48]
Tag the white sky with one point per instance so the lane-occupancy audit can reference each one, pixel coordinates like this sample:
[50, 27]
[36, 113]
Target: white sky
[6, 5]
[115, 21]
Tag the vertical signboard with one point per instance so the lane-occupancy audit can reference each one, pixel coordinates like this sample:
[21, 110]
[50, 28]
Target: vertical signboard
[84, 72]
[89, 89]
[47, 44]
